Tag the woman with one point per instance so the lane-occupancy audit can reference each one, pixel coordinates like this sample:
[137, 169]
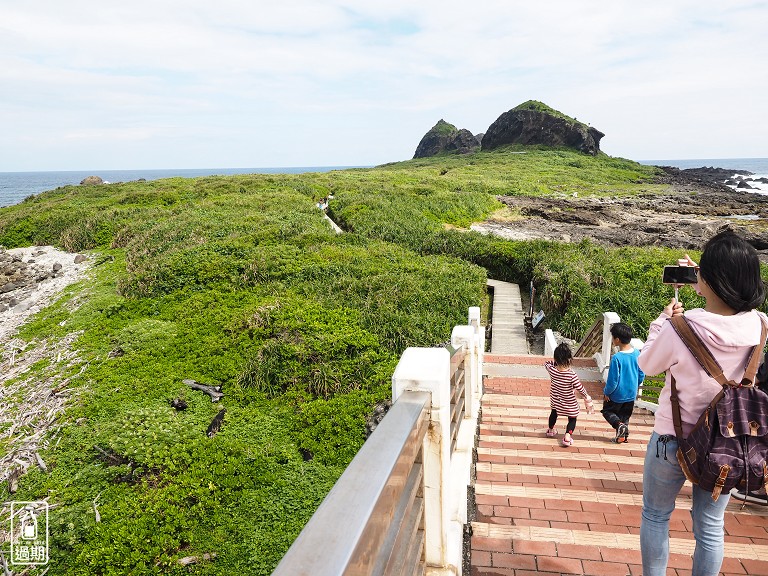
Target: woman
[730, 283]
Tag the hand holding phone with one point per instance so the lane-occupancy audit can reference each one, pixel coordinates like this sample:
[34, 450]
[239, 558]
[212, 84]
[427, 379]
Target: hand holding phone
[679, 275]
[686, 272]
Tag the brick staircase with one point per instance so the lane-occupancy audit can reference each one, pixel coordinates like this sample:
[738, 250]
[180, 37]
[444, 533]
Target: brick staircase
[545, 509]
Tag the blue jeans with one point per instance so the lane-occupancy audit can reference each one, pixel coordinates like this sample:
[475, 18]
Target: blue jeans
[662, 481]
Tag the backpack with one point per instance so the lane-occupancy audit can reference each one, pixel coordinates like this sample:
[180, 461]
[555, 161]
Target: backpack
[728, 446]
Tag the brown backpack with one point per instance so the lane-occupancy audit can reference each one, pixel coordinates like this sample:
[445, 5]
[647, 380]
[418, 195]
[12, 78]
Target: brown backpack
[728, 446]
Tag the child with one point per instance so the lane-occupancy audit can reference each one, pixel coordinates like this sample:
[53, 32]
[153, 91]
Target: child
[562, 400]
[624, 378]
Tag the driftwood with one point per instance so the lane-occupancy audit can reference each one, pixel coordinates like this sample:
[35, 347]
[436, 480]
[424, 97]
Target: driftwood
[215, 425]
[13, 480]
[187, 560]
[95, 509]
[6, 571]
[40, 462]
[213, 391]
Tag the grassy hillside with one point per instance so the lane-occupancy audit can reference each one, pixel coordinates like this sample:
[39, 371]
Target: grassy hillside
[238, 281]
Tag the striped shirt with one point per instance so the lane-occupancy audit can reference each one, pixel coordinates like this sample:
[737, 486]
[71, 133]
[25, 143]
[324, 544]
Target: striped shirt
[561, 391]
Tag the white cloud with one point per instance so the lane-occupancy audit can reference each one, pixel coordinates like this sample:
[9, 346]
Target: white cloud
[660, 79]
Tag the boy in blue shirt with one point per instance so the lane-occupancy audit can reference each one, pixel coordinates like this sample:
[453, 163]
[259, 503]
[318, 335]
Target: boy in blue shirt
[624, 378]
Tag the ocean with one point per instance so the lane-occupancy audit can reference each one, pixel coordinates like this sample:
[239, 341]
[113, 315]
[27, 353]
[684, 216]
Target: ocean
[15, 186]
[758, 166]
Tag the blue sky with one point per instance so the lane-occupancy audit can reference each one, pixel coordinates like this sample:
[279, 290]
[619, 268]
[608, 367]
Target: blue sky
[237, 83]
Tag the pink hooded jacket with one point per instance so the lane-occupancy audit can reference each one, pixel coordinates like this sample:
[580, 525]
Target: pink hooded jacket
[729, 338]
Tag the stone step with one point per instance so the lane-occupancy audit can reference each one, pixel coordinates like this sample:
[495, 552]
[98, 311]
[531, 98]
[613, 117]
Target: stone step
[544, 508]
[537, 549]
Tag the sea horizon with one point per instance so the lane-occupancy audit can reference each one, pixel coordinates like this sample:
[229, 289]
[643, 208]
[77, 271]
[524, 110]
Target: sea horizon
[15, 186]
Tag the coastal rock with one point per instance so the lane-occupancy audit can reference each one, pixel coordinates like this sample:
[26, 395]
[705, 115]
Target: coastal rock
[695, 207]
[743, 184]
[533, 123]
[445, 138]
[23, 283]
[91, 181]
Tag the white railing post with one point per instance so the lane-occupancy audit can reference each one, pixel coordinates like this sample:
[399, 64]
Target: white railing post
[550, 343]
[464, 336]
[428, 370]
[479, 343]
[603, 358]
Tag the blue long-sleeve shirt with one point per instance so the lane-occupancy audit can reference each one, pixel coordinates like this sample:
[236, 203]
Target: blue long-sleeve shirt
[624, 377]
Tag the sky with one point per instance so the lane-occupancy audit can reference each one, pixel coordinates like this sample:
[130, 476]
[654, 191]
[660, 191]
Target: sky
[108, 84]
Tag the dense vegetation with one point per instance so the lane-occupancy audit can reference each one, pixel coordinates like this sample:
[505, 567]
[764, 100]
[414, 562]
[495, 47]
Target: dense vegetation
[536, 106]
[238, 281]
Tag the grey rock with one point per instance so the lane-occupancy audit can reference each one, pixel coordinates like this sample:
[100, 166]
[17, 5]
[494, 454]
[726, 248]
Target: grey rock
[91, 181]
[57, 266]
[80, 258]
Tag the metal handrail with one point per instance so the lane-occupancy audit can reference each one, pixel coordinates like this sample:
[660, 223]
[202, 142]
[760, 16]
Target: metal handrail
[372, 522]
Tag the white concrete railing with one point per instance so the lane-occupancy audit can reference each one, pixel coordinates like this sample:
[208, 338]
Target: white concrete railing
[603, 357]
[359, 528]
[446, 474]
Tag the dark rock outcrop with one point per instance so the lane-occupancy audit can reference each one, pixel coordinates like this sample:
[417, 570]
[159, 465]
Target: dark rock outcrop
[445, 138]
[91, 181]
[535, 123]
[464, 142]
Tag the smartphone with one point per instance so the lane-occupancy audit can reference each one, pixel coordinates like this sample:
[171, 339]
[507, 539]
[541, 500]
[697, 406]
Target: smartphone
[679, 275]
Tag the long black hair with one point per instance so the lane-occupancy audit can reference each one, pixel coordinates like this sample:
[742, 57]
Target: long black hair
[730, 266]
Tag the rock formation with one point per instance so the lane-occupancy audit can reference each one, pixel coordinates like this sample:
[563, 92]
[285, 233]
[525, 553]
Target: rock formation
[535, 123]
[445, 138]
[20, 276]
[91, 181]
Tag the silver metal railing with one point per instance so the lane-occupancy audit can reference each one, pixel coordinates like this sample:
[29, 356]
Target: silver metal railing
[372, 521]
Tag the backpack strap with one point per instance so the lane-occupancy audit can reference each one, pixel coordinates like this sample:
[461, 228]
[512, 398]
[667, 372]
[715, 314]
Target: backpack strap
[709, 364]
[699, 350]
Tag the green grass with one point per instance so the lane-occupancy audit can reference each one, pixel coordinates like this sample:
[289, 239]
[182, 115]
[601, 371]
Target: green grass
[238, 281]
[536, 106]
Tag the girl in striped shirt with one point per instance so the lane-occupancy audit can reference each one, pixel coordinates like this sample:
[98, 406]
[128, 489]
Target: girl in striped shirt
[562, 398]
